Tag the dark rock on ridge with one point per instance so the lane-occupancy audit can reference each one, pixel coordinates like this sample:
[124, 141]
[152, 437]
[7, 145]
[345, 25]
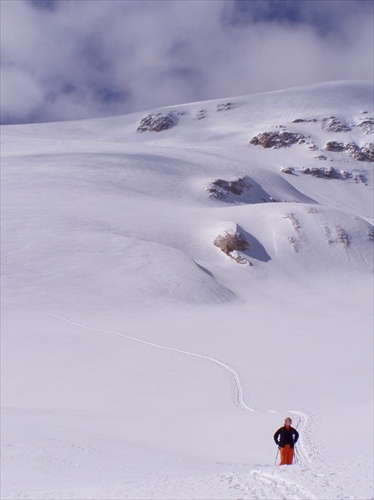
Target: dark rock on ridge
[288, 170]
[220, 188]
[333, 124]
[368, 151]
[326, 173]
[302, 120]
[239, 190]
[200, 114]
[277, 140]
[224, 107]
[354, 151]
[367, 125]
[157, 122]
[365, 153]
[334, 146]
[230, 242]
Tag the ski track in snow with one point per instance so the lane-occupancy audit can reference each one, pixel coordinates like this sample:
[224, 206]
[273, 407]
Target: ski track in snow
[268, 484]
[232, 373]
[264, 484]
[301, 454]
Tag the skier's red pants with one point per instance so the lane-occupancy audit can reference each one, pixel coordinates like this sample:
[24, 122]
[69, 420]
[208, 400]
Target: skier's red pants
[286, 455]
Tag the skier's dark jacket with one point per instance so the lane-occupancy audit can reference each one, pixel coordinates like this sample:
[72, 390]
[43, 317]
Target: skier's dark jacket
[285, 436]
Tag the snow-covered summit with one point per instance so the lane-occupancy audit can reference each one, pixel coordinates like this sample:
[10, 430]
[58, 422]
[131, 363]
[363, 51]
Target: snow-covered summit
[176, 281]
[147, 190]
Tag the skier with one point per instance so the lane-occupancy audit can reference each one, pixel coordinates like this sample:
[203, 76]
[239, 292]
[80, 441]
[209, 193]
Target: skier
[286, 437]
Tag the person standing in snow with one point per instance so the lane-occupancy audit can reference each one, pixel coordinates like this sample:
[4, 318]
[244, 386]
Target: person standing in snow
[286, 437]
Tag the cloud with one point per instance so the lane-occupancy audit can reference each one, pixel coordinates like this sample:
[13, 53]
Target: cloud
[72, 59]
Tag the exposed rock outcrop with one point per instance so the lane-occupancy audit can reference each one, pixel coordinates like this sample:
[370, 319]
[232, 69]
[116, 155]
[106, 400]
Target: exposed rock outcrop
[326, 173]
[288, 170]
[302, 120]
[367, 150]
[220, 188]
[337, 235]
[333, 124]
[354, 151]
[239, 190]
[367, 125]
[365, 153]
[277, 140]
[232, 242]
[334, 146]
[224, 107]
[157, 122]
[200, 115]
[298, 238]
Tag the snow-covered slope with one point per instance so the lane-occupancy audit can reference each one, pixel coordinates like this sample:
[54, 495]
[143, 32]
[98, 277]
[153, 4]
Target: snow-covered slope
[142, 361]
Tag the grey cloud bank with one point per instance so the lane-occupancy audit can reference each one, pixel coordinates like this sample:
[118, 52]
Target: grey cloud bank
[71, 59]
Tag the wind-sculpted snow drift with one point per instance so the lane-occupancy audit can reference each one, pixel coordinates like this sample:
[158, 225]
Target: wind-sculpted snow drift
[166, 270]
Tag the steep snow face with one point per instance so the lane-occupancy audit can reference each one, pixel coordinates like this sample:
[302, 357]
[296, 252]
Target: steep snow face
[145, 357]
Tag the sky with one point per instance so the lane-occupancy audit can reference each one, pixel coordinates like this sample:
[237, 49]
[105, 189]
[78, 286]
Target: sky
[73, 59]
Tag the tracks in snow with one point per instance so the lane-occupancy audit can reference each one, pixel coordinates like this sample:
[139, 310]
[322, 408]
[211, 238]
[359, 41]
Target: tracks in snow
[231, 372]
[301, 453]
[260, 484]
[265, 482]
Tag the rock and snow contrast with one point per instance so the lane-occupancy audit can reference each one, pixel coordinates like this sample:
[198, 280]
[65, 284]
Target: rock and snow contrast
[174, 284]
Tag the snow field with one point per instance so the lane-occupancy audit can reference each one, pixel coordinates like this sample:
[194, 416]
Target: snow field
[134, 351]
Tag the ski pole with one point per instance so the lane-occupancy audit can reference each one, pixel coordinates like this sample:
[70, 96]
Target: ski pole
[276, 457]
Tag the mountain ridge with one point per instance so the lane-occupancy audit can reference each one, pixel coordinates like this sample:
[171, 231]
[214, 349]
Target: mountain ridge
[162, 168]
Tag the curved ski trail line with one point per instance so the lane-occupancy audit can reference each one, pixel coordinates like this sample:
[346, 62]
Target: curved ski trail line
[301, 454]
[234, 376]
[284, 487]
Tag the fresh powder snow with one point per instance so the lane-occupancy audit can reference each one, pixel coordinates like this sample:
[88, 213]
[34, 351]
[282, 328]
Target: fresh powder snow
[177, 282]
